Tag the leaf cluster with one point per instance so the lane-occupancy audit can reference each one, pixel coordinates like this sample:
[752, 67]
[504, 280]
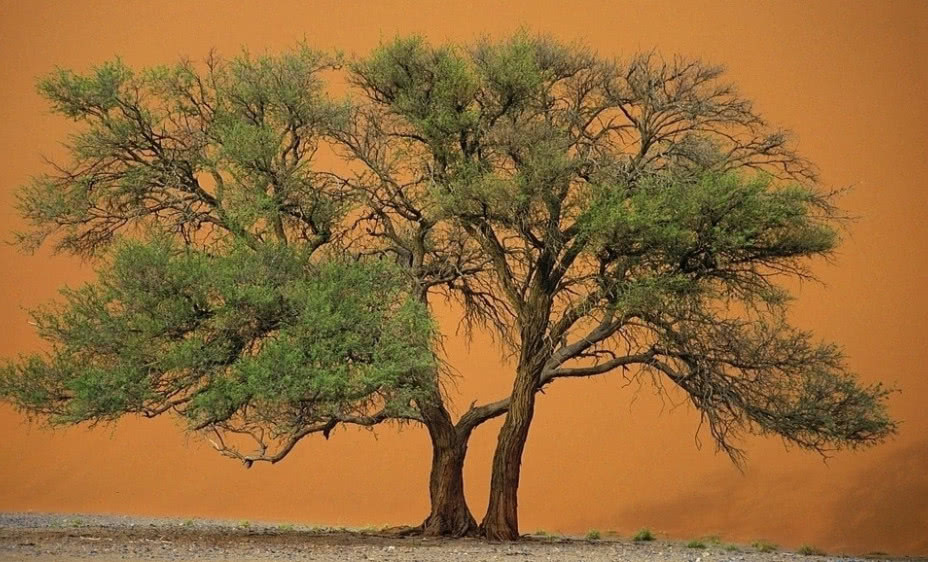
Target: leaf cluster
[251, 339]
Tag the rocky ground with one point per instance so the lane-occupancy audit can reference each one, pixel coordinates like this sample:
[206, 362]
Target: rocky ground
[69, 538]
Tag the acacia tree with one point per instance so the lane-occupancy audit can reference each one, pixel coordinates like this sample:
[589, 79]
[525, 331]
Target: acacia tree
[222, 295]
[632, 214]
[596, 214]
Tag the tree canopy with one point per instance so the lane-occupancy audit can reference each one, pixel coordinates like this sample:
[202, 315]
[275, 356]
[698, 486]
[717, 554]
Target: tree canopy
[634, 213]
[215, 299]
[595, 214]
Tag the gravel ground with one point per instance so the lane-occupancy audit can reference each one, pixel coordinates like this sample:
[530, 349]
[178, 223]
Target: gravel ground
[68, 538]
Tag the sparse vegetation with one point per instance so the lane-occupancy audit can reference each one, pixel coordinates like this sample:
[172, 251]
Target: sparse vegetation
[713, 540]
[187, 523]
[764, 546]
[809, 550]
[732, 548]
[593, 535]
[695, 543]
[285, 528]
[644, 534]
[244, 524]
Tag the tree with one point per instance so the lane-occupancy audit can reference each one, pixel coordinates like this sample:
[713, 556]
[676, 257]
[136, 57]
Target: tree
[632, 214]
[222, 294]
[595, 214]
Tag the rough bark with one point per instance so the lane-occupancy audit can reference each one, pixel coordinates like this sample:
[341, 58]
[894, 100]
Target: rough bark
[449, 515]
[502, 518]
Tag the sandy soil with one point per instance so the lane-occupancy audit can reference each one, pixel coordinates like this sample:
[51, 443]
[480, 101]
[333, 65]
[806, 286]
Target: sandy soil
[68, 538]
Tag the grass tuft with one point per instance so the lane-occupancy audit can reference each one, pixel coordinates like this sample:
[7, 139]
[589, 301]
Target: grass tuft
[764, 546]
[642, 535]
[809, 550]
[695, 543]
[593, 535]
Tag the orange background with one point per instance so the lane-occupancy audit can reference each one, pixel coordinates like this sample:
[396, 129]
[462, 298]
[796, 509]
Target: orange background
[848, 77]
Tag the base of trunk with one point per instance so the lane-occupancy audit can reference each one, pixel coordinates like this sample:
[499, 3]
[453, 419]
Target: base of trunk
[499, 532]
[459, 523]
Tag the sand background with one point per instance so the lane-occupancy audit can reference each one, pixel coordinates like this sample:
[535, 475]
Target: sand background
[848, 77]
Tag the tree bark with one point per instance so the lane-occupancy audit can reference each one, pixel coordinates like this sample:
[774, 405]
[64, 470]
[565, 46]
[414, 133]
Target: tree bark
[502, 519]
[449, 515]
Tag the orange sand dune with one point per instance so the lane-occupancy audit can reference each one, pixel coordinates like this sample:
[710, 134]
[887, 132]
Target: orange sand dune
[848, 77]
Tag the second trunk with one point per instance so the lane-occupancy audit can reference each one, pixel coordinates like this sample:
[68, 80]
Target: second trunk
[502, 519]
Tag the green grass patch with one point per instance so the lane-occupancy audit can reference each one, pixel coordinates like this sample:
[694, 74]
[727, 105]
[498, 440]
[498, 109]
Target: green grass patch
[644, 534]
[764, 546]
[809, 550]
[695, 543]
[593, 535]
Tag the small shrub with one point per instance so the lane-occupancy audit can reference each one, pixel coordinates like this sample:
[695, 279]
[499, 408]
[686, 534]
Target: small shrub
[695, 544]
[732, 548]
[809, 550]
[643, 535]
[286, 528]
[764, 546]
[244, 524]
[593, 535]
[187, 523]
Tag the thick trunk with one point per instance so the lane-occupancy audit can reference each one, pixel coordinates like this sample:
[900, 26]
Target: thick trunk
[502, 519]
[449, 515]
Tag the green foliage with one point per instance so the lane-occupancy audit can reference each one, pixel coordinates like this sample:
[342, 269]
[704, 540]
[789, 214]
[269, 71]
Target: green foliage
[228, 148]
[261, 339]
[643, 535]
[593, 535]
[431, 87]
[695, 544]
[764, 546]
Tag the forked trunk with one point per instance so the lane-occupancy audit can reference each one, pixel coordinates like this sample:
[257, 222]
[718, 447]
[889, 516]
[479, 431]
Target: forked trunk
[502, 519]
[449, 515]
